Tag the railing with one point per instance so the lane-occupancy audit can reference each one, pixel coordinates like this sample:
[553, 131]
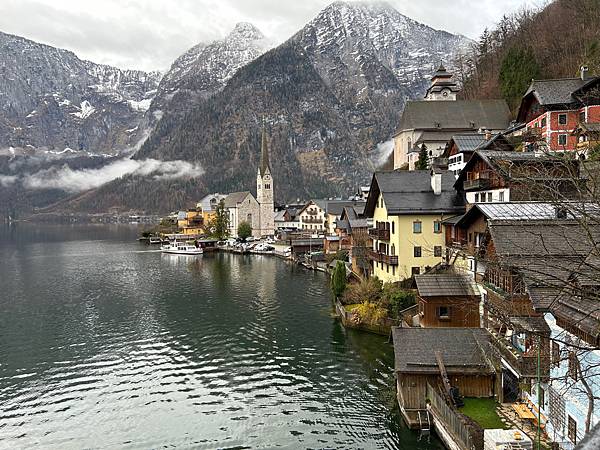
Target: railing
[524, 364]
[380, 233]
[312, 220]
[312, 213]
[477, 180]
[382, 257]
[467, 436]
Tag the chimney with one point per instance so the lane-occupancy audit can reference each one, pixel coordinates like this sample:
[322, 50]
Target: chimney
[436, 182]
[488, 135]
[584, 72]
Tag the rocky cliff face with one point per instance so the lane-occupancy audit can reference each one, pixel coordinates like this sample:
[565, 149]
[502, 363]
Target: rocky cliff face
[50, 100]
[329, 95]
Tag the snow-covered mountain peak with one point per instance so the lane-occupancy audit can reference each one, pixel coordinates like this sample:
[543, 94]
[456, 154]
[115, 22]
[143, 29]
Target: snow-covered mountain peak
[246, 30]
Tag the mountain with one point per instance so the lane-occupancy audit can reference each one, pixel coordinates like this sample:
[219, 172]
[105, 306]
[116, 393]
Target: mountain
[204, 70]
[50, 100]
[329, 95]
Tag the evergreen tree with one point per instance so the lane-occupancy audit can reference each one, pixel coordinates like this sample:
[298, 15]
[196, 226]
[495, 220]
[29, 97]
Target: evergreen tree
[219, 226]
[244, 230]
[516, 71]
[338, 279]
[423, 162]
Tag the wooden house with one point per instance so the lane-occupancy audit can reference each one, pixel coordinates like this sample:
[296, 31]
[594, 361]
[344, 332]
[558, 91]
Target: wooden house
[423, 354]
[447, 300]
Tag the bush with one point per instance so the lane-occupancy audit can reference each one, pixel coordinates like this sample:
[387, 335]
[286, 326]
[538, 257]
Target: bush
[369, 313]
[395, 299]
[368, 290]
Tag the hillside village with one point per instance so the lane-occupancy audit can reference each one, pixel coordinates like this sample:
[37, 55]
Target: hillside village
[493, 225]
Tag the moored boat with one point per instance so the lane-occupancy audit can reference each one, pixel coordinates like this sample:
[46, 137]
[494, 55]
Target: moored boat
[182, 248]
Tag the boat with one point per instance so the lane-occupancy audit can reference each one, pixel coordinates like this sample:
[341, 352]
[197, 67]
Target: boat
[182, 248]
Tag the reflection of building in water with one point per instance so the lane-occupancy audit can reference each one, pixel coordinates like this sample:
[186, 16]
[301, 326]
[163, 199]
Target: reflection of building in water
[266, 265]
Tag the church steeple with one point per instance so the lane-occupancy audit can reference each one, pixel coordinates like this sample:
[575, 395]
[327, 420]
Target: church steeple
[264, 154]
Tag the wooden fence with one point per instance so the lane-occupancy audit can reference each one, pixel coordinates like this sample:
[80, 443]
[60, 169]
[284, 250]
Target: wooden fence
[469, 436]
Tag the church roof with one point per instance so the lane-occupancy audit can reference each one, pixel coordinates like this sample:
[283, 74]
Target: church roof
[264, 154]
[441, 73]
[234, 198]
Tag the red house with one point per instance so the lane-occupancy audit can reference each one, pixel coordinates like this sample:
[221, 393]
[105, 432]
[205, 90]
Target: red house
[552, 109]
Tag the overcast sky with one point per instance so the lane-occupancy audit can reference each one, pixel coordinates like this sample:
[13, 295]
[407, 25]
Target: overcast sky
[150, 34]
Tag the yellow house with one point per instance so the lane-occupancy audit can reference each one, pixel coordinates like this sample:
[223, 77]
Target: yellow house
[191, 222]
[407, 208]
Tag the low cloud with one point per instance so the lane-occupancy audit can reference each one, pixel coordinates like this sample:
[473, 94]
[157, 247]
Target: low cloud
[382, 152]
[7, 180]
[72, 180]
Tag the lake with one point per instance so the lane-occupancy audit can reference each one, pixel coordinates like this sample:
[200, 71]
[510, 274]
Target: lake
[107, 343]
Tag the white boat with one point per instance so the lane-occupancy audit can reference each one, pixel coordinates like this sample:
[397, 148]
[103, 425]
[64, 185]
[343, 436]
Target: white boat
[182, 248]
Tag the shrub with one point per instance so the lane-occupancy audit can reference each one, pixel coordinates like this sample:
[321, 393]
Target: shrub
[369, 312]
[395, 299]
[338, 279]
[368, 290]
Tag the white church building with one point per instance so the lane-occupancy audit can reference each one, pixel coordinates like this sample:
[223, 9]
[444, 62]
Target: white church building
[259, 212]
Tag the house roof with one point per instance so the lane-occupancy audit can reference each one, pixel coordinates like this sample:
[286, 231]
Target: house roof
[446, 285]
[409, 192]
[458, 114]
[463, 350]
[468, 142]
[555, 92]
[235, 197]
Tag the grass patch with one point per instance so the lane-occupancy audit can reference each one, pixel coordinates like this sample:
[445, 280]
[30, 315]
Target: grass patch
[349, 308]
[483, 411]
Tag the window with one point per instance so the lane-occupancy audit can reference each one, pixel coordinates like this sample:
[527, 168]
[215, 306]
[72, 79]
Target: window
[417, 225]
[543, 124]
[393, 228]
[582, 116]
[417, 252]
[572, 430]
[470, 237]
[437, 251]
[501, 196]
[421, 307]
[573, 372]
[555, 354]
[542, 397]
[489, 197]
[443, 312]
[415, 270]
[562, 139]
[267, 186]
[477, 197]
[387, 268]
[393, 270]
[562, 119]
[437, 226]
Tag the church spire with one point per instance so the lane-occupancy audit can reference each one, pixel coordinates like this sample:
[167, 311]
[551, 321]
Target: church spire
[264, 153]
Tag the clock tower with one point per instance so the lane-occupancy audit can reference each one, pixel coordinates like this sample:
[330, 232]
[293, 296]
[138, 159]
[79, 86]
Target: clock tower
[264, 190]
[443, 86]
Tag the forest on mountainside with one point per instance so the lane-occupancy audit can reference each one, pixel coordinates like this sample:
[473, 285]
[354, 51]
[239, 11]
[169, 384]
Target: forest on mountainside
[549, 42]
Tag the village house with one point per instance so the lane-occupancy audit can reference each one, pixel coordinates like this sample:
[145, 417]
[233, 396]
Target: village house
[509, 176]
[447, 300]
[427, 358]
[312, 216]
[208, 206]
[286, 219]
[407, 209]
[461, 147]
[352, 229]
[552, 109]
[436, 119]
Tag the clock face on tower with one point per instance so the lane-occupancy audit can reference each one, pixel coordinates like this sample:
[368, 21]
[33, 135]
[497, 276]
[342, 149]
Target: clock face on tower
[445, 93]
[267, 177]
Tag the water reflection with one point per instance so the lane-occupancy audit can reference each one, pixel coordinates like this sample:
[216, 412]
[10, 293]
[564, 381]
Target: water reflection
[120, 346]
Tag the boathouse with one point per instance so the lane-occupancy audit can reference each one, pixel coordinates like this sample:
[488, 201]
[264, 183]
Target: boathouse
[440, 359]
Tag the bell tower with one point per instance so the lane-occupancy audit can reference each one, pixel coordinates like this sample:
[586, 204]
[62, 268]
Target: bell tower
[443, 86]
[264, 190]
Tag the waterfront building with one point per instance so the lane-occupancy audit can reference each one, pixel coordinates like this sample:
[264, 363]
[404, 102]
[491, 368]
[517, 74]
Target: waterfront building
[352, 230]
[552, 109]
[208, 205]
[243, 207]
[312, 216]
[407, 209]
[433, 121]
[287, 219]
[426, 358]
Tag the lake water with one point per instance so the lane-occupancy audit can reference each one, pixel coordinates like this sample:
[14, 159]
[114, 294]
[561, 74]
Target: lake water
[105, 343]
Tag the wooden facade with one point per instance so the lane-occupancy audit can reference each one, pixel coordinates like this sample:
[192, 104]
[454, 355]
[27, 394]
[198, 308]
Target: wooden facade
[449, 311]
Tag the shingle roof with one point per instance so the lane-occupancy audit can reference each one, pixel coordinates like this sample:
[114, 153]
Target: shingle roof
[555, 92]
[235, 197]
[463, 350]
[518, 211]
[409, 192]
[459, 114]
[446, 284]
[468, 142]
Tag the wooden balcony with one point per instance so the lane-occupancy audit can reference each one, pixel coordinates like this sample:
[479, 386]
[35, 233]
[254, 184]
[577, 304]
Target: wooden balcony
[381, 234]
[382, 257]
[477, 180]
[525, 364]
[312, 220]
